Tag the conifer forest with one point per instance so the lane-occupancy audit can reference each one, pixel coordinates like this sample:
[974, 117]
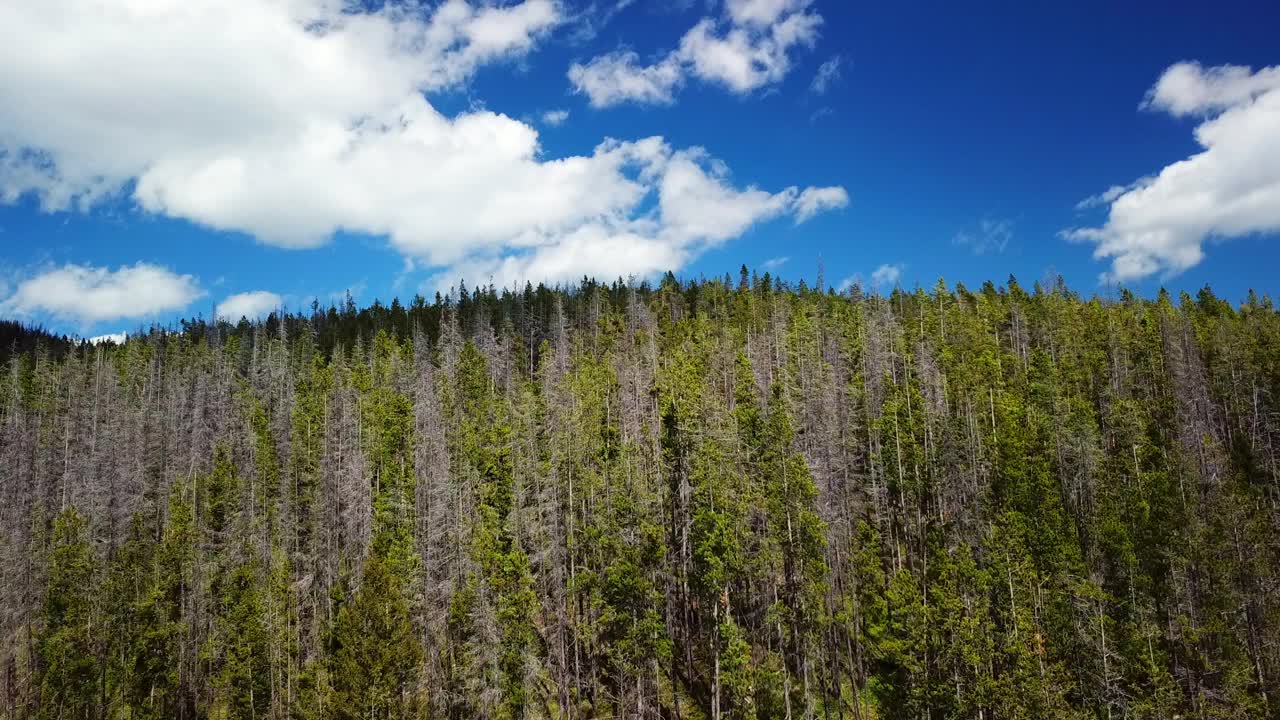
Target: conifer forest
[696, 500]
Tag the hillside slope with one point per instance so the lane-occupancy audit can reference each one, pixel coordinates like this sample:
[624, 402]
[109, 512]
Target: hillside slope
[716, 499]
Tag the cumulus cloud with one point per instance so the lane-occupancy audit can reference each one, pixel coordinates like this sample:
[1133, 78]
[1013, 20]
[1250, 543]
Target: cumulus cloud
[883, 277]
[1231, 188]
[700, 205]
[293, 119]
[618, 77]
[816, 200]
[251, 305]
[749, 48]
[886, 276]
[774, 263]
[762, 13]
[991, 236]
[696, 207]
[555, 118]
[746, 58]
[117, 338]
[94, 294]
[592, 250]
[828, 74]
[193, 95]
[1188, 88]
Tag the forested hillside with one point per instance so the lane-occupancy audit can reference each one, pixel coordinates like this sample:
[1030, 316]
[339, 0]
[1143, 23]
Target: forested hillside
[16, 338]
[721, 499]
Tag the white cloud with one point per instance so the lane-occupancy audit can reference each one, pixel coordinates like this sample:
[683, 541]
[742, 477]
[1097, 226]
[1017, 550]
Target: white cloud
[828, 74]
[991, 236]
[89, 294]
[762, 13]
[1187, 88]
[1231, 188]
[189, 96]
[744, 59]
[815, 200]
[697, 208]
[1103, 198]
[555, 118]
[252, 305]
[594, 250]
[592, 19]
[293, 119]
[748, 49]
[774, 263]
[618, 77]
[117, 338]
[886, 276]
[697, 205]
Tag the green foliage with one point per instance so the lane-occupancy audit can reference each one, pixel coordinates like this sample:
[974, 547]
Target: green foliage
[68, 647]
[718, 499]
[376, 653]
[245, 674]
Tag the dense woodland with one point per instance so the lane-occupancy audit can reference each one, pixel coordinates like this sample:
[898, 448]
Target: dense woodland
[716, 499]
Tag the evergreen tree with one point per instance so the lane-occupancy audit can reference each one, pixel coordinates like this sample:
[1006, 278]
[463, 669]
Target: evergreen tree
[725, 498]
[68, 644]
[375, 655]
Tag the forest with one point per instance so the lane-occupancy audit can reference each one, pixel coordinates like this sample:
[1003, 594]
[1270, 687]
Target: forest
[706, 499]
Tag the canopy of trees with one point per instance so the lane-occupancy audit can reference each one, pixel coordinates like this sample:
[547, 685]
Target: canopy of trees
[719, 499]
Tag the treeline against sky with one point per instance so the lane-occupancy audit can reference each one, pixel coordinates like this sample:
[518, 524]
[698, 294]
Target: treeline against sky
[715, 499]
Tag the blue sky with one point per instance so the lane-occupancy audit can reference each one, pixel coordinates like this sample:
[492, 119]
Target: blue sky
[162, 159]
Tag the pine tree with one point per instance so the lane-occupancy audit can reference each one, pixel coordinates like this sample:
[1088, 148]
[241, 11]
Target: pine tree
[246, 671]
[375, 654]
[68, 644]
[726, 498]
